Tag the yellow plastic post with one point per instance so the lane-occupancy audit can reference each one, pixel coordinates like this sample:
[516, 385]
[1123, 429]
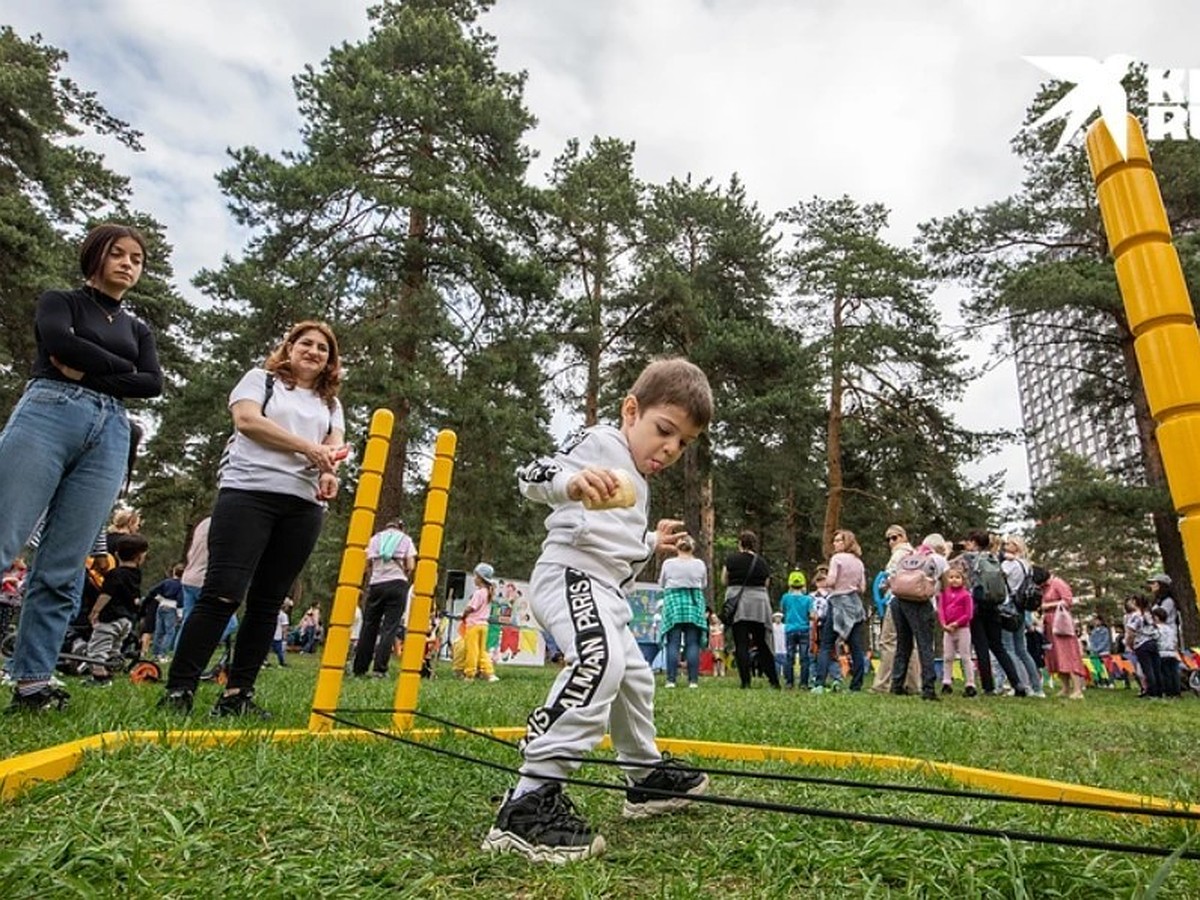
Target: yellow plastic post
[350, 575]
[1159, 311]
[424, 581]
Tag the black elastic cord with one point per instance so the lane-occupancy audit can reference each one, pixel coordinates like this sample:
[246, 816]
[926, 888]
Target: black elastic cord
[1120, 809]
[794, 809]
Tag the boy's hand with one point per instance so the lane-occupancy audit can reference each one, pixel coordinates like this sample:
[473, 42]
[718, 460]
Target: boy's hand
[600, 488]
[669, 532]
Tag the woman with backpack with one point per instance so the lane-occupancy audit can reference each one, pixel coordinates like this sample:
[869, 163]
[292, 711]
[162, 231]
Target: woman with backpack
[1017, 571]
[988, 591]
[273, 491]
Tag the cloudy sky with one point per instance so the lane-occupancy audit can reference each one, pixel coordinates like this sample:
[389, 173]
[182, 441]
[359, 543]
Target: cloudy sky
[911, 103]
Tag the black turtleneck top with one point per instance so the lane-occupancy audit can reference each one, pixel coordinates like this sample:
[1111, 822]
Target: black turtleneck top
[88, 330]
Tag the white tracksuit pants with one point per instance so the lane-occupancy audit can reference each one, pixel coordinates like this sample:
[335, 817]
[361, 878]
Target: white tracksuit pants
[606, 682]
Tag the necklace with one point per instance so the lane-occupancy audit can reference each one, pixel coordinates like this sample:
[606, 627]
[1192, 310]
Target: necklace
[110, 316]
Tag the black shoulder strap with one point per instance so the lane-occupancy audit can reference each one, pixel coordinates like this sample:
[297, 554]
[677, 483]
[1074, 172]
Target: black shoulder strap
[268, 391]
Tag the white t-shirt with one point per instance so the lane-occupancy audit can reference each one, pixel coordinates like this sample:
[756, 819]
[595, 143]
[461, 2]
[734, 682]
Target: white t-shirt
[253, 467]
[392, 567]
[683, 573]
[281, 625]
[779, 636]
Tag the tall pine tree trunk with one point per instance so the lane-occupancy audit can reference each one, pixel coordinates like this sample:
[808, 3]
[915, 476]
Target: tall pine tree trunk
[1166, 522]
[833, 434]
[391, 495]
[699, 513]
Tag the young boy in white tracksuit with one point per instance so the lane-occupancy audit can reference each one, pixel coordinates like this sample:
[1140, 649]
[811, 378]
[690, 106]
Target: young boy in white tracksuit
[597, 541]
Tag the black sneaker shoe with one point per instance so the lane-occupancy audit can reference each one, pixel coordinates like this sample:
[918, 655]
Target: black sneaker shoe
[179, 700]
[239, 704]
[930, 695]
[49, 697]
[543, 826]
[969, 691]
[672, 784]
[947, 689]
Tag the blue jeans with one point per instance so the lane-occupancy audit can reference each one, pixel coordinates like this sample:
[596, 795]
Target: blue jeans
[165, 622]
[797, 645]
[65, 449]
[689, 635]
[1027, 671]
[826, 657]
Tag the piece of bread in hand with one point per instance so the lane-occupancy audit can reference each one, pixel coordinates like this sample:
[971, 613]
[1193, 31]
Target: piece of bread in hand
[625, 494]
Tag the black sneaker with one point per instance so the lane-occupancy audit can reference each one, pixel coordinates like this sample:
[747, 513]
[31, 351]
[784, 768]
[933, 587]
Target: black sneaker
[930, 695]
[969, 691]
[179, 700]
[239, 704]
[947, 689]
[667, 788]
[543, 826]
[48, 697]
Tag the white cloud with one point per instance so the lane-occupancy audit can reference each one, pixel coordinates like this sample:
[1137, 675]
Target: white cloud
[910, 104]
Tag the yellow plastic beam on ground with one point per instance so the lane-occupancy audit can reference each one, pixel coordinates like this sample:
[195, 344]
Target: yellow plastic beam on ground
[433, 526]
[354, 564]
[1159, 311]
[22, 772]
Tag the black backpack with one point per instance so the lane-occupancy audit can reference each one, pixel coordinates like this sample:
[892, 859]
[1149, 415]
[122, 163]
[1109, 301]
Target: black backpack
[1029, 595]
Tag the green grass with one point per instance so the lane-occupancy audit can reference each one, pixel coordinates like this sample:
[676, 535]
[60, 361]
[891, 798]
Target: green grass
[378, 818]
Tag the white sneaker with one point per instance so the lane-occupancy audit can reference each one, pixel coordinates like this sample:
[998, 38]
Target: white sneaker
[670, 685]
[491, 678]
[692, 685]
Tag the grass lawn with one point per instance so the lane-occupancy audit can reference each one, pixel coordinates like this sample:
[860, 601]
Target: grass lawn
[378, 818]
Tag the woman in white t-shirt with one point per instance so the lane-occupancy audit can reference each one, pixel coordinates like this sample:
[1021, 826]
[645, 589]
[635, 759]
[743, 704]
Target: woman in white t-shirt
[274, 485]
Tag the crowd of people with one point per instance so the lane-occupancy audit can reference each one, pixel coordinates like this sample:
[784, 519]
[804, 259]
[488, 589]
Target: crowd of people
[980, 604]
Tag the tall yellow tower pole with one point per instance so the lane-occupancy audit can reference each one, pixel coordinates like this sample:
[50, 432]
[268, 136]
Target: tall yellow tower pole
[425, 580]
[1159, 312]
[350, 575]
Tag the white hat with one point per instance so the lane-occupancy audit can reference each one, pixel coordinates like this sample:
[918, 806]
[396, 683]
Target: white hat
[486, 572]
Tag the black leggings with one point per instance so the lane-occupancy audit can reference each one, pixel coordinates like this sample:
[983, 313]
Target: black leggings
[744, 633]
[257, 544]
[985, 636]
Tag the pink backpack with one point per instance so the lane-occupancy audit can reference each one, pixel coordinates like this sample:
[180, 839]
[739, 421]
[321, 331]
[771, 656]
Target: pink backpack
[915, 578]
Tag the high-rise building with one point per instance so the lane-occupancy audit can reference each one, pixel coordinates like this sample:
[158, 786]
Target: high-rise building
[1049, 371]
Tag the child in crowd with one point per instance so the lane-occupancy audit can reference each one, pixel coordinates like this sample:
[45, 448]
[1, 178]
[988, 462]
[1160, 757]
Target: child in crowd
[1168, 652]
[820, 608]
[716, 643]
[475, 618]
[1142, 635]
[779, 642]
[796, 605]
[117, 606]
[598, 539]
[282, 626]
[955, 609]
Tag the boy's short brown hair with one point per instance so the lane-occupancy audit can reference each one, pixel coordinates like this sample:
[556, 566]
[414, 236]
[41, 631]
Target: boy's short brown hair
[676, 382]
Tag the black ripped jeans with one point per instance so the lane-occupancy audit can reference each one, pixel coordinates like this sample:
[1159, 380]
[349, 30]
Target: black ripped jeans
[257, 544]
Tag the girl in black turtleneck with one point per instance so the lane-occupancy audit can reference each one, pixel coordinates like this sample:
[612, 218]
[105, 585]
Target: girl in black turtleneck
[66, 444]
